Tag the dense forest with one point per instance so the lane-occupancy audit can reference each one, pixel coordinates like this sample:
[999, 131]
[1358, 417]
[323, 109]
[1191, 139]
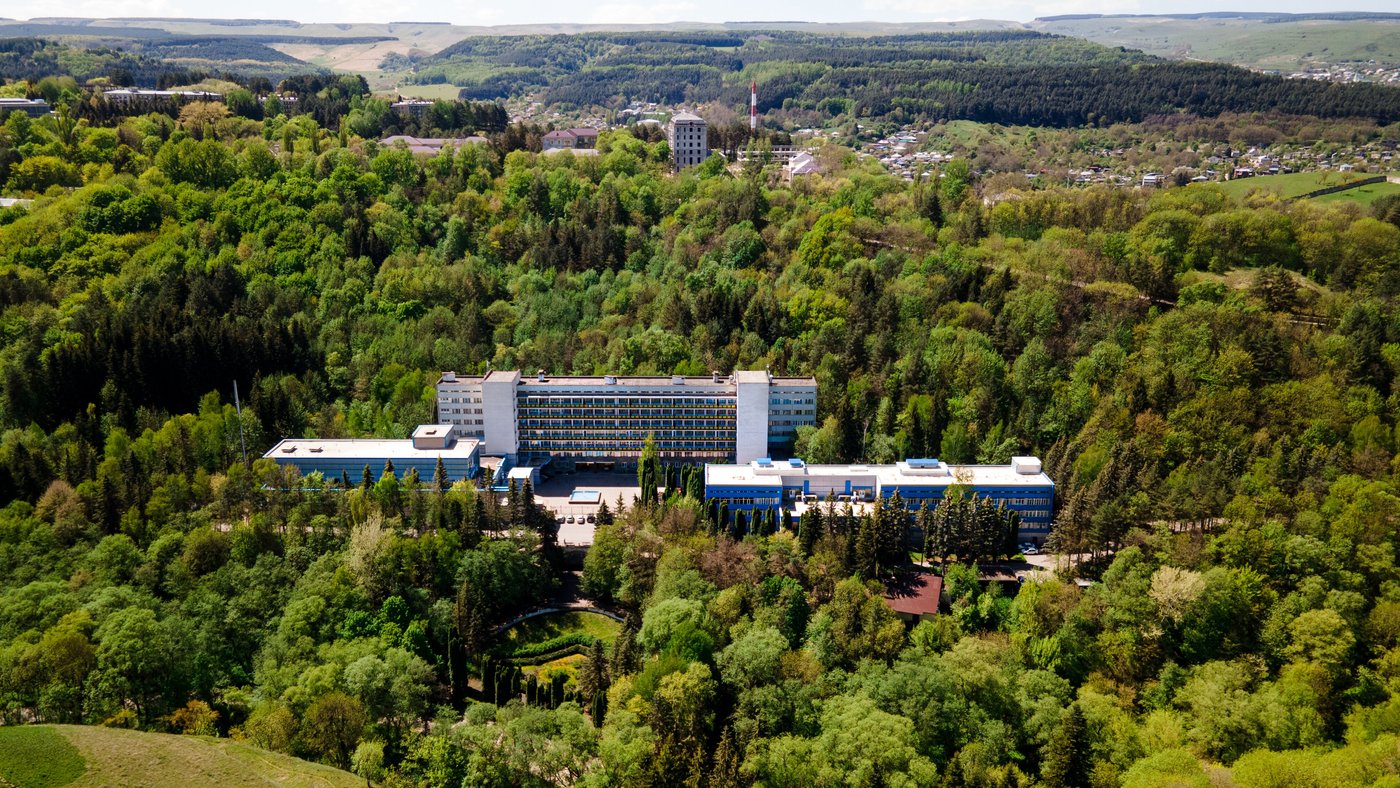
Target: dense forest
[150, 64]
[1009, 77]
[1212, 384]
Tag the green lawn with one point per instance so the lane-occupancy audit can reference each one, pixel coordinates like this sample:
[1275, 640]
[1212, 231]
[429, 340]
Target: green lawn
[543, 628]
[441, 92]
[37, 756]
[80, 755]
[1296, 184]
[1363, 194]
[1293, 184]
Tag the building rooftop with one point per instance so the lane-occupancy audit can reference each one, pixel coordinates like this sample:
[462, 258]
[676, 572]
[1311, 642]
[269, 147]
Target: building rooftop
[686, 117]
[432, 431]
[914, 593]
[635, 381]
[431, 142]
[365, 448]
[912, 473]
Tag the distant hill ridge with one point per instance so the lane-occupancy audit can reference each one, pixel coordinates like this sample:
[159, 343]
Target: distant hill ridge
[1261, 16]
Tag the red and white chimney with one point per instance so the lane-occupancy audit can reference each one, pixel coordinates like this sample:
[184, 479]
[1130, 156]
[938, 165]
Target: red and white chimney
[753, 106]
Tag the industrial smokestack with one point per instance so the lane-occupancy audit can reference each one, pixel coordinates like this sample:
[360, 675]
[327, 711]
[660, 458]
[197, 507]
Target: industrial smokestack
[753, 106]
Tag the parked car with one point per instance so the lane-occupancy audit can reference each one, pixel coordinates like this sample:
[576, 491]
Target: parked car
[569, 519]
[1032, 550]
[592, 519]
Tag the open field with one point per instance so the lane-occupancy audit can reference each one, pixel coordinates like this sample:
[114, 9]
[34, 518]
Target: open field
[1287, 46]
[1296, 184]
[435, 92]
[1363, 194]
[82, 755]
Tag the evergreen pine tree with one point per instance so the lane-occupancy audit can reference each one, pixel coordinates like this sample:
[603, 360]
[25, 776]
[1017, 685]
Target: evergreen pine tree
[367, 479]
[440, 480]
[1068, 762]
[809, 529]
[866, 550]
[724, 772]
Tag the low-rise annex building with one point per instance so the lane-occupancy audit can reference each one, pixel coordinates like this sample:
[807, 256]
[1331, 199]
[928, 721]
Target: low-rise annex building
[335, 458]
[763, 484]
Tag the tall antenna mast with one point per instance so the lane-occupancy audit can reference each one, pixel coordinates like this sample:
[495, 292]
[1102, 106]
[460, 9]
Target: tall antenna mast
[753, 106]
[238, 408]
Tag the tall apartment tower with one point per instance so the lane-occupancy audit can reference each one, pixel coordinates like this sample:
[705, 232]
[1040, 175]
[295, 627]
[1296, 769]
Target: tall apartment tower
[689, 139]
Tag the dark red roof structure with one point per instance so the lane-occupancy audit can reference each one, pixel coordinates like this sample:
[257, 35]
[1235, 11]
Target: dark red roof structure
[914, 593]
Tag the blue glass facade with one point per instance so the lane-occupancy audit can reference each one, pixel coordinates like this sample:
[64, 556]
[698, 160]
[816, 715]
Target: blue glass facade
[332, 467]
[585, 426]
[765, 485]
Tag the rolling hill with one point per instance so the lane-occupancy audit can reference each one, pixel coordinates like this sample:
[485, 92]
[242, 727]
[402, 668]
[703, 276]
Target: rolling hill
[45, 756]
[1282, 42]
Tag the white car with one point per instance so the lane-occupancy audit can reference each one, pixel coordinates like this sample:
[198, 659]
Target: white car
[1032, 550]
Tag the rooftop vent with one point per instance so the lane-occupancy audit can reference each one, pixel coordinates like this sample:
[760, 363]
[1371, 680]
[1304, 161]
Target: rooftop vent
[1026, 465]
[288, 449]
[449, 377]
[317, 449]
[540, 375]
[609, 380]
[677, 380]
[714, 376]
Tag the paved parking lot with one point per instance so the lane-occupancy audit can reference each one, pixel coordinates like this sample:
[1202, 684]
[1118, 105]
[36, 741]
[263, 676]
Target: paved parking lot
[553, 494]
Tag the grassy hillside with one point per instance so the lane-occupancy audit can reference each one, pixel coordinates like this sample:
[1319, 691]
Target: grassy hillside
[56, 755]
[1287, 45]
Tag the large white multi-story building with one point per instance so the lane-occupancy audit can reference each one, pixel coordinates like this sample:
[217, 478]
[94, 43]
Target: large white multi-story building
[689, 139]
[734, 418]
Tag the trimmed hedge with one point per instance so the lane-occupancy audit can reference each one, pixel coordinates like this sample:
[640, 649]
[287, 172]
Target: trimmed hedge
[549, 656]
[572, 639]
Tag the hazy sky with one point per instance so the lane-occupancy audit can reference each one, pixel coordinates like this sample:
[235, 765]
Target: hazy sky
[501, 12]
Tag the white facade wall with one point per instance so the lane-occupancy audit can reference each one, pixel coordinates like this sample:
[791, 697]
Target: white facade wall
[688, 136]
[498, 407]
[459, 404]
[751, 416]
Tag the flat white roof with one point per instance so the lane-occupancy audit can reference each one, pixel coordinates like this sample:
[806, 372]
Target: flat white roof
[790, 473]
[622, 381]
[356, 448]
[432, 430]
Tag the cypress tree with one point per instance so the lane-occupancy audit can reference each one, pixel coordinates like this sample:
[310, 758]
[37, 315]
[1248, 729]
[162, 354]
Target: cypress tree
[367, 480]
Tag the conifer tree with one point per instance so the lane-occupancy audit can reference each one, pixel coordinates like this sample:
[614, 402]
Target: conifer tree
[1068, 762]
[866, 552]
[809, 529]
[440, 480]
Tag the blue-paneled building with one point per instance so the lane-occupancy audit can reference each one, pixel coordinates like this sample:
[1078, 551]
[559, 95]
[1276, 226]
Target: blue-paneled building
[333, 457]
[1021, 486]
